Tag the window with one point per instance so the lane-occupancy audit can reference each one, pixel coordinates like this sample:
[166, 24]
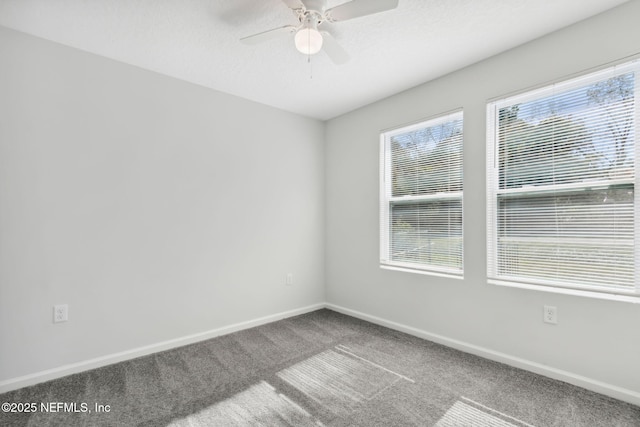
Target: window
[421, 196]
[561, 176]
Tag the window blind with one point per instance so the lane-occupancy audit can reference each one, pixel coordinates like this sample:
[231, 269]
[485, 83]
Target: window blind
[561, 174]
[421, 196]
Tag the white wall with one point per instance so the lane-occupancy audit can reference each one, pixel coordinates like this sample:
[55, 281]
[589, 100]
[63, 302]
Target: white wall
[154, 208]
[131, 196]
[596, 339]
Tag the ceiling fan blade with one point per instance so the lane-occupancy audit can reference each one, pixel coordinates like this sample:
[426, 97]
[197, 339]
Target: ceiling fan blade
[294, 4]
[268, 35]
[333, 49]
[358, 8]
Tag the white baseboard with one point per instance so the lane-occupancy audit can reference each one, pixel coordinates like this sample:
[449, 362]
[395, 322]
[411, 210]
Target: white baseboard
[74, 368]
[616, 392]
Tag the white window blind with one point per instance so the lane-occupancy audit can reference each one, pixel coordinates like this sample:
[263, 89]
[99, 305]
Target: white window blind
[421, 196]
[561, 175]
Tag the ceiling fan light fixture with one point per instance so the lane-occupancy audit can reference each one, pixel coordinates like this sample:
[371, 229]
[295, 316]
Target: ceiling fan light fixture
[308, 41]
[313, 13]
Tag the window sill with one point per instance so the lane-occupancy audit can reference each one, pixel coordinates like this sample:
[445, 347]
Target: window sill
[634, 299]
[425, 272]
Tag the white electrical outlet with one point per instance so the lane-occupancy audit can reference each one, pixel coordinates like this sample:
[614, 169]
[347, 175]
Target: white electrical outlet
[60, 313]
[550, 314]
[288, 280]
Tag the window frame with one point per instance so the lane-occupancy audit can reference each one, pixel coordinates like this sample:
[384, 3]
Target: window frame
[386, 199]
[493, 191]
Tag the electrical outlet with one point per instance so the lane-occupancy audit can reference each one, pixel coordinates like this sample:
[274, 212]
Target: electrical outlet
[60, 313]
[288, 280]
[550, 314]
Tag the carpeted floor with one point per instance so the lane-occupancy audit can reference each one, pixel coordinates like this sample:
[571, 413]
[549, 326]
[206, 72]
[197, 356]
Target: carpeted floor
[318, 369]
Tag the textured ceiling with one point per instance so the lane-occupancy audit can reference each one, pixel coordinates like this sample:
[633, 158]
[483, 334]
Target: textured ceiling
[198, 41]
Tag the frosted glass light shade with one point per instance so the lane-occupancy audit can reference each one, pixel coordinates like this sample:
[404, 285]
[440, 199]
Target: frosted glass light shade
[308, 41]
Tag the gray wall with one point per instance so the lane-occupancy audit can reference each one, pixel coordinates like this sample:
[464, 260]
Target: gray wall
[596, 339]
[154, 208]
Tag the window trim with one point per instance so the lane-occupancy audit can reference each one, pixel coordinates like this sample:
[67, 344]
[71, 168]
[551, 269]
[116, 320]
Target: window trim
[385, 200]
[492, 108]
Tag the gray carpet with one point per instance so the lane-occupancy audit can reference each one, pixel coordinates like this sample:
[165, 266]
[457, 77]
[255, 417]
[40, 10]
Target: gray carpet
[318, 369]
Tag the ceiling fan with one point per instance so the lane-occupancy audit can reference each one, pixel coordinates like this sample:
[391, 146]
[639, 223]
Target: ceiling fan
[311, 15]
